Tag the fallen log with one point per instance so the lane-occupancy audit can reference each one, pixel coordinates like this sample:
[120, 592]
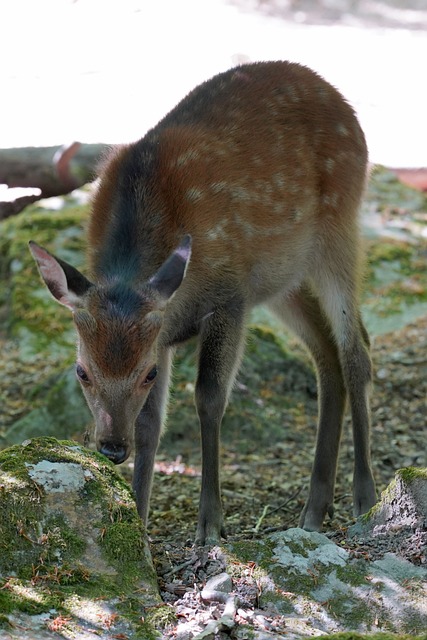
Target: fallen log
[53, 171]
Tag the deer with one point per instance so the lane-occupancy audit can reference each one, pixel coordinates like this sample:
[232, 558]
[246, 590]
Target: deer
[246, 193]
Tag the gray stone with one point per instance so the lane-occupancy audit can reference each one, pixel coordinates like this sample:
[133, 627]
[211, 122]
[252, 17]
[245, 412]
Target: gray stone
[73, 548]
[318, 587]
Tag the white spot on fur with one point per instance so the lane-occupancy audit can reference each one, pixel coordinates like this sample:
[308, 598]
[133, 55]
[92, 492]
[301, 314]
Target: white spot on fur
[330, 164]
[296, 214]
[292, 93]
[330, 200]
[279, 181]
[216, 232]
[342, 130]
[187, 156]
[194, 194]
[218, 187]
[240, 193]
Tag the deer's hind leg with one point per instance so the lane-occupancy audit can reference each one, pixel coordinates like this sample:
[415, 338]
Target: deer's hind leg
[339, 304]
[302, 313]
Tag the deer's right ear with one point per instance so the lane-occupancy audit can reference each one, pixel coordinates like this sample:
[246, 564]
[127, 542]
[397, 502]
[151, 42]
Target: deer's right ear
[170, 275]
[65, 283]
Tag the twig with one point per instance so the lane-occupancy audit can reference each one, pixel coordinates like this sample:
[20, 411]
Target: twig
[284, 504]
[174, 570]
[264, 513]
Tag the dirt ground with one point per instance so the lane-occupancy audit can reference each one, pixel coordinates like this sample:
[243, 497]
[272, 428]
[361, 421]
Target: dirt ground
[278, 474]
[264, 490]
[264, 485]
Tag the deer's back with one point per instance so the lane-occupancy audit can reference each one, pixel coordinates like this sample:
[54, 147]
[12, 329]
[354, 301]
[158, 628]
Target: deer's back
[257, 164]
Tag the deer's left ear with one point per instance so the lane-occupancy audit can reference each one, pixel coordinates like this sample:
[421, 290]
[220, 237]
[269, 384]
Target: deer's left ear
[65, 283]
[170, 275]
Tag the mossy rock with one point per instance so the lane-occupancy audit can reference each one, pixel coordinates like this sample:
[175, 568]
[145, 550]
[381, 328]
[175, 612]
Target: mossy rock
[385, 188]
[71, 540]
[318, 585]
[396, 289]
[33, 317]
[401, 509]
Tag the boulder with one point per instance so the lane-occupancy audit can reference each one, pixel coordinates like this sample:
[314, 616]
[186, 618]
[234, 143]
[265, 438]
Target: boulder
[398, 522]
[74, 555]
[315, 587]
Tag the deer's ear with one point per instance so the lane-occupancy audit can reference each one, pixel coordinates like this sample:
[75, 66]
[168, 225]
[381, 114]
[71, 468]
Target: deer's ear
[65, 283]
[170, 275]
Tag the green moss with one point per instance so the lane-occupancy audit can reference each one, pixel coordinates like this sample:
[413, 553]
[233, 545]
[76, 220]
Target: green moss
[353, 574]
[302, 548]
[409, 474]
[33, 316]
[354, 611]
[12, 459]
[20, 595]
[296, 583]
[276, 599]
[44, 558]
[144, 619]
[161, 616]
[4, 622]
[123, 546]
[61, 538]
[397, 275]
[389, 251]
[259, 551]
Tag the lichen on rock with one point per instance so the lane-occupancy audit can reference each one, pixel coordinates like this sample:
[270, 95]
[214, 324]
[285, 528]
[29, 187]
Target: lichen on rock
[70, 534]
[399, 520]
[318, 586]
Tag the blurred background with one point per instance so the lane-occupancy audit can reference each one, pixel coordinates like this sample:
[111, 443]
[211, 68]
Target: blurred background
[97, 71]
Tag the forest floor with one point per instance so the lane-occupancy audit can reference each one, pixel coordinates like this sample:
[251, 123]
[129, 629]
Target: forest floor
[264, 489]
[268, 435]
[264, 484]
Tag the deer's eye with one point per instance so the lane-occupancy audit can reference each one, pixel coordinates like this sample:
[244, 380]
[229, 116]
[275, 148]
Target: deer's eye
[150, 375]
[81, 374]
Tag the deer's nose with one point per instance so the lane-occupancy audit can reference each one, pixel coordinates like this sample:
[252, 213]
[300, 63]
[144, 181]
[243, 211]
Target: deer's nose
[117, 453]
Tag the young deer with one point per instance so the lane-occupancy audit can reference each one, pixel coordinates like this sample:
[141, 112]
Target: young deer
[259, 173]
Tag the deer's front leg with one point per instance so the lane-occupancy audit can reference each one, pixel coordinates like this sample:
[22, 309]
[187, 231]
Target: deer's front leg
[148, 429]
[220, 352]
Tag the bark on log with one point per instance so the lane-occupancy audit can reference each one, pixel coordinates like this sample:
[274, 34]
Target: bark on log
[54, 170]
[13, 205]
